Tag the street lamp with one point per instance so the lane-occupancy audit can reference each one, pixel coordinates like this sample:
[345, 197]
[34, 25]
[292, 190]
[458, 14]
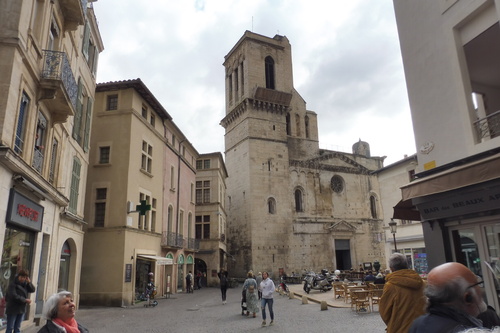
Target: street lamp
[393, 225]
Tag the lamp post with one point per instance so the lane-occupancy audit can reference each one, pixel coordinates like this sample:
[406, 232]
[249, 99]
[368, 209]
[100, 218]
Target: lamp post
[393, 225]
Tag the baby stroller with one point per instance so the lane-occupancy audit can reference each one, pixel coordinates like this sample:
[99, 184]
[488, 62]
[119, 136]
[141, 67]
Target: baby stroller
[243, 302]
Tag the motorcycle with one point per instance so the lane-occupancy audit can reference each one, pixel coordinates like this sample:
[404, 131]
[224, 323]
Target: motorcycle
[321, 282]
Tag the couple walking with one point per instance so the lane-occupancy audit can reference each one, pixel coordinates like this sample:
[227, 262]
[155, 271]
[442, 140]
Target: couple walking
[252, 292]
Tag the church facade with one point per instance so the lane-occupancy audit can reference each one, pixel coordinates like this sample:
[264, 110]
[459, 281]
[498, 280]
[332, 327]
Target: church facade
[291, 205]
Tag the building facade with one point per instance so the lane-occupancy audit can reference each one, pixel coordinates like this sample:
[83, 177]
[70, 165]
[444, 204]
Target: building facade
[291, 205]
[451, 59]
[140, 193]
[48, 61]
[408, 237]
[210, 219]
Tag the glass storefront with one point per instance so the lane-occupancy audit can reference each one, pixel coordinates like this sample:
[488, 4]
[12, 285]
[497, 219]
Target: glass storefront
[143, 267]
[417, 260]
[477, 246]
[17, 254]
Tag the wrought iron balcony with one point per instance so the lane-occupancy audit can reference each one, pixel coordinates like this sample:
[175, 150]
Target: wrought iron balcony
[74, 12]
[172, 239]
[38, 160]
[488, 127]
[193, 244]
[60, 90]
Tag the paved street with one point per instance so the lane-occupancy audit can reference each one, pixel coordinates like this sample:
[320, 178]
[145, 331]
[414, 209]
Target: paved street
[203, 311]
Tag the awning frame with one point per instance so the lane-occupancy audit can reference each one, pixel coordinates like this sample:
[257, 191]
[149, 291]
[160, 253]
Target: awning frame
[159, 260]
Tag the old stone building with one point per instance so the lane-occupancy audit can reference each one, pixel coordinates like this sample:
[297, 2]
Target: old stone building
[291, 205]
[210, 219]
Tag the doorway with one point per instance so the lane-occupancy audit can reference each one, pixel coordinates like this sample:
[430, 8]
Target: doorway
[343, 254]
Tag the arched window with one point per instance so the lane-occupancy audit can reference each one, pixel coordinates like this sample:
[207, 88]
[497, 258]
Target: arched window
[269, 72]
[271, 206]
[297, 124]
[298, 201]
[373, 206]
[306, 123]
[288, 130]
[64, 267]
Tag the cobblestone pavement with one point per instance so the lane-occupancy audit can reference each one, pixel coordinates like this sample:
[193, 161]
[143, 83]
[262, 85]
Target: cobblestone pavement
[203, 311]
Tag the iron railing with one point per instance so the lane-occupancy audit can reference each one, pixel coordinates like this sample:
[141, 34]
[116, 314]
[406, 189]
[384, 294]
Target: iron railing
[172, 239]
[38, 160]
[489, 126]
[56, 67]
[193, 244]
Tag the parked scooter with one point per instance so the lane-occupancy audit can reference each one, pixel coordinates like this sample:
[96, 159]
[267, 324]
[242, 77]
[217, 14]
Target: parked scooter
[321, 282]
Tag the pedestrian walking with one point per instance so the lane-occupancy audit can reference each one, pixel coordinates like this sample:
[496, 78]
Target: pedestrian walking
[252, 299]
[17, 298]
[267, 287]
[258, 278]
[189, 282]
[223, 284]
[199, 277]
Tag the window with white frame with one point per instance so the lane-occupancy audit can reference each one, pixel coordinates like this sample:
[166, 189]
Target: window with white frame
[147, 157]
[202, 192]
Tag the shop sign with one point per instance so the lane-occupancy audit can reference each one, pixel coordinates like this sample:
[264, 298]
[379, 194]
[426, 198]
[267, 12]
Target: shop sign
[128, 272]
[23, 212]
[460, 204]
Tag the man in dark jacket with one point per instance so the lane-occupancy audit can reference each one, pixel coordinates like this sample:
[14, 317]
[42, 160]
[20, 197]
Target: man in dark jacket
[17, 298]
[455, 300]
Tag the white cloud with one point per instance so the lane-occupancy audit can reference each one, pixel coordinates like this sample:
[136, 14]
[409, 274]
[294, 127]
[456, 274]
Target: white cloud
[347, 63]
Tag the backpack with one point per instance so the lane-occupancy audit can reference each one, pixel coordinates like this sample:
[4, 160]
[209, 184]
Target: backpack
[188, 277]
[223, 281]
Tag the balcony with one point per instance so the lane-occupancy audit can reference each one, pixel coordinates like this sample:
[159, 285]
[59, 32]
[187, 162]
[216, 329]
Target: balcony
[488, 127]
[38, 160]
[59, 88]
[74, 12]
[172, 239]
[193, 244]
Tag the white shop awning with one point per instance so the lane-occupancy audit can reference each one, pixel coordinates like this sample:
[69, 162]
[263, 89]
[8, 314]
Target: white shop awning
[159, 260]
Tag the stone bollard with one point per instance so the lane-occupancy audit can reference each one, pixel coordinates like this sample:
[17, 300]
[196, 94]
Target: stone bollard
[304, 300]
[291, 295]
[324, 306]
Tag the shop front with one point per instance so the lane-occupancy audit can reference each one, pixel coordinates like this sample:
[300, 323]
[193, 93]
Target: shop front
[23, 221]
[463, 225]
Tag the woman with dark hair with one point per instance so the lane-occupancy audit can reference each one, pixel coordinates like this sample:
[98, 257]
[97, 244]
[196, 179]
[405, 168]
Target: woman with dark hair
[59, 310]
[17, 298]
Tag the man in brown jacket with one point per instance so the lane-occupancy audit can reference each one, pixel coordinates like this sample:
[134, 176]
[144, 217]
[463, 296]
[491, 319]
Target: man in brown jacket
[403, 298]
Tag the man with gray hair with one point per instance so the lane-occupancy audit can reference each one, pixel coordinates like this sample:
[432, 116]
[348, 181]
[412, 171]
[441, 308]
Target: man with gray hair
[454, 300]
[403, 297]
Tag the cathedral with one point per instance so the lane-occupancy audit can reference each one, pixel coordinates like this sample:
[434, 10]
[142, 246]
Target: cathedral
[291, 206]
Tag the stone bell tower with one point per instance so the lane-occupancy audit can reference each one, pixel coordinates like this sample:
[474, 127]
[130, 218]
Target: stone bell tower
[266, 123]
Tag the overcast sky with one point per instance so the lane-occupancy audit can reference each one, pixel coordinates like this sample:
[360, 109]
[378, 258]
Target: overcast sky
[346, 61]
